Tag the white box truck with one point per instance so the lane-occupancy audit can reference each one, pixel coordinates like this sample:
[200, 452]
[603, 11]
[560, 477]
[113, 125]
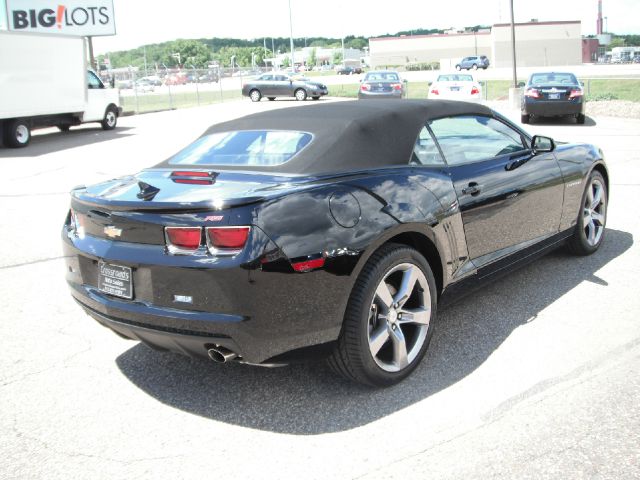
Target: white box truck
[44, 82]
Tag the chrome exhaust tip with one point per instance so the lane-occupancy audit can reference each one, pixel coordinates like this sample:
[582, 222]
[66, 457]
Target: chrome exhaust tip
[221, 354]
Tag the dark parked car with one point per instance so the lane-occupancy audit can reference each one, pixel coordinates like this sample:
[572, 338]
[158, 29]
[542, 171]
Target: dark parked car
[474, 62]
[349, 70]
[278, 84]
[335, 229]
[381, 84]
[552, 94]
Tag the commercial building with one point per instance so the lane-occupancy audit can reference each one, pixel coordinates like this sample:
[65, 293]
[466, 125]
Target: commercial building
[537, 44]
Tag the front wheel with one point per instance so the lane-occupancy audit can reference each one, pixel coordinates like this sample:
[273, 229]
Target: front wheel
[589, 231]
[301, 95]
[110, 119]
[389, 318]
[255, 95]
[475, 67]
[17, 133]
[458, 67]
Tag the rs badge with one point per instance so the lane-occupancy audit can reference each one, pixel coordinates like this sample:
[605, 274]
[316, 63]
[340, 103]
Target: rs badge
[112, 231]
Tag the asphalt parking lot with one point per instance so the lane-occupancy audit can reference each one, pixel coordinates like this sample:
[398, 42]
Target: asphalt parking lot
[536, 376]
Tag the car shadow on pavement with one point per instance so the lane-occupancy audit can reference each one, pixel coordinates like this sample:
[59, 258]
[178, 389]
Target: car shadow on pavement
[55, 141]
[563, 121]
[308, 399]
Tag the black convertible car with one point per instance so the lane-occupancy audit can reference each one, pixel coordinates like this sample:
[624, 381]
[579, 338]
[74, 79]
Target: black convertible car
[333, 229]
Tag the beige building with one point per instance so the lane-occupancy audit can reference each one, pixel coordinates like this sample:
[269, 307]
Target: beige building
[537, 44]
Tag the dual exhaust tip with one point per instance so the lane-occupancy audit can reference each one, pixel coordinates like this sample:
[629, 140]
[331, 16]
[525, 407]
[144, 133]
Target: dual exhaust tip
[221, 355]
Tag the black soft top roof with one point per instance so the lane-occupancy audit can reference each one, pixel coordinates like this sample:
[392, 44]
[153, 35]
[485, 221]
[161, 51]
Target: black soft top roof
[353, 135]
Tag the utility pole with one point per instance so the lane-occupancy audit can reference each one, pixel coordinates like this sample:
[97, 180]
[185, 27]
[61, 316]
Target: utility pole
[293, 65]
[513, 46]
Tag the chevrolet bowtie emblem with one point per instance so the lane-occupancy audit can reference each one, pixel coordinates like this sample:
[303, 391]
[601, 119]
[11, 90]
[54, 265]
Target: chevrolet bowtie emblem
[112, 231]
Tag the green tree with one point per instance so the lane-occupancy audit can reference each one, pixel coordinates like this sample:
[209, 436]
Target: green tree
[313, 59]
[286, 62]
[192, 52]
[337, 57]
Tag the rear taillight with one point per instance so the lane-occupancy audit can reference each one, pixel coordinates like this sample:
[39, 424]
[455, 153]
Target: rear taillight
[475, 90]
[365, 87]
[183, 239]
[434, 91]
[227, 240]
[575, 93]
[532, 93]
[193, 177]
[396, 86]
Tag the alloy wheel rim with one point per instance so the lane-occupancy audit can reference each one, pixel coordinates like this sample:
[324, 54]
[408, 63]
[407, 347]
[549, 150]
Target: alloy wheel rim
[399, 317]
[300, 95]
[255, 96]
[594, 212]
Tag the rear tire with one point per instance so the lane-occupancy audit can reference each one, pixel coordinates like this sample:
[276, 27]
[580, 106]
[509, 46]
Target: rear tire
[17, 133]
[474, 66]
[590, 227]
[300, 94]
[458, 67]
[387, 328]
[525, 118]
[255, 95]
[580, 119]
[110, 118]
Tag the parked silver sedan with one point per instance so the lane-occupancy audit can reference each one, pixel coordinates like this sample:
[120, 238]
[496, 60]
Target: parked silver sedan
[281, 84]
[381, 84]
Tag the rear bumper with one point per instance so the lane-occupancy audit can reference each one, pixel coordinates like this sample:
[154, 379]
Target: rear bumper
[256, 313]
[552, 108]
[378, 95]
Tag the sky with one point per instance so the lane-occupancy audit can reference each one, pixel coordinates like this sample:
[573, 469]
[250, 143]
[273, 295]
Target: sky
[140, 22]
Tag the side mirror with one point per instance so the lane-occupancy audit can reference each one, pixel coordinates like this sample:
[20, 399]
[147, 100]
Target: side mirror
[521, 84]
[540, 144]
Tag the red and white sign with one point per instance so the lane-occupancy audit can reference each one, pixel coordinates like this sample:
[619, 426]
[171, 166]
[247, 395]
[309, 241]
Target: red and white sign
[88, 18]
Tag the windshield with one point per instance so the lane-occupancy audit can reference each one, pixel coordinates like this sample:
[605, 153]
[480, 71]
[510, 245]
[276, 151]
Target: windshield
[382, 77]
[455, 78]
[553, 79]
[261, 148]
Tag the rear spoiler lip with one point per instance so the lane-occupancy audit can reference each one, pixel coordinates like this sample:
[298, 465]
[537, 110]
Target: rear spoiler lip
[143, 206]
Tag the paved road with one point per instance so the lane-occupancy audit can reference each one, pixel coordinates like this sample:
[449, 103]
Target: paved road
[536, 376]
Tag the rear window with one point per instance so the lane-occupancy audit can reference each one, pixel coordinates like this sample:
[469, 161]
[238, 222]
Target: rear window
[382, 77]
[260, 148]
[455, 78]
[553, 79]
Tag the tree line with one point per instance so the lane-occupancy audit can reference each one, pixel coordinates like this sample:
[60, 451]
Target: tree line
[202, 52]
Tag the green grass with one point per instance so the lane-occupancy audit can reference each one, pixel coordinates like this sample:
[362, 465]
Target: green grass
[153, 102]
[624, 89]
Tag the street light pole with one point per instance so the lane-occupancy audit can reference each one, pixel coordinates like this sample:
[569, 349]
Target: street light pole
[293, 69]
[513, 46]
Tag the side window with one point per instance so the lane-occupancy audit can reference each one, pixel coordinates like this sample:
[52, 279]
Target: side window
[266, 78]
[425, 151]
[93, 81]
[469, 139]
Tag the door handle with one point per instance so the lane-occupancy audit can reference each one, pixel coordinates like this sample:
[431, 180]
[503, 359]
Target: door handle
[472, 189]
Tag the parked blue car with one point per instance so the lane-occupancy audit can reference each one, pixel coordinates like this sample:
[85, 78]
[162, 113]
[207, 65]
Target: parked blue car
[475, 62]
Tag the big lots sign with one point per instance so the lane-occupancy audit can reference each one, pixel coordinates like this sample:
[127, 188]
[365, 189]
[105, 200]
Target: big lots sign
[67, 17]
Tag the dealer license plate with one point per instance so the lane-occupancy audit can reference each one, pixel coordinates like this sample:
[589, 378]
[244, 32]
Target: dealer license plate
[554, 96]
[115, 280]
